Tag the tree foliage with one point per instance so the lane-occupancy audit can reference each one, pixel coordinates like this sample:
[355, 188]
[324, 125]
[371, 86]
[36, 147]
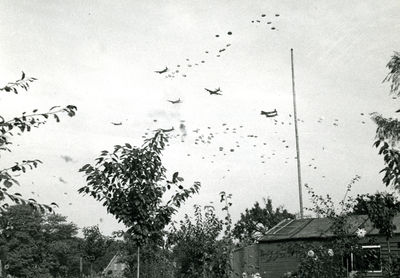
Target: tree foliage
[36, 244]
[394, 74]
[95, 243]
[131, 183]
[202, 246]
[381, 208]
[17, 126]
[195, 244]
[256, 221]
[388, 130]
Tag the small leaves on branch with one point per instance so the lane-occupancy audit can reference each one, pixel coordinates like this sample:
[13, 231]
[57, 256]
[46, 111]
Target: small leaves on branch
[16, 198]
[394, 74]
[391, 158]
[22, 83]
[388, 128]
[25, 122]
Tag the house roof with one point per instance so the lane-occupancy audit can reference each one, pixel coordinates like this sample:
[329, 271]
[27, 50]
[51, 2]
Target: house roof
[320, 228]
[113, 260]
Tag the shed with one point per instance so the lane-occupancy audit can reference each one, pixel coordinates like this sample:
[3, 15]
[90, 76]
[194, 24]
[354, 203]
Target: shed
[312, 230]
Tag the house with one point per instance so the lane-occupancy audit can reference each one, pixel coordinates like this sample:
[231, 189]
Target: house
[257, 258]
[115, 268]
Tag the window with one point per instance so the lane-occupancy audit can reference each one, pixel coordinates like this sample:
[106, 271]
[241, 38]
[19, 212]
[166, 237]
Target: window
[369, 260]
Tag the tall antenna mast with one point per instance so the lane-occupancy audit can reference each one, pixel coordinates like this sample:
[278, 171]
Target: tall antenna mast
[297, 141]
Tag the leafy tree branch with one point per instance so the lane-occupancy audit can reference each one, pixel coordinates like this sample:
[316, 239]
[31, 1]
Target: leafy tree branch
[394, 74]
[19, 125]
[388, 130]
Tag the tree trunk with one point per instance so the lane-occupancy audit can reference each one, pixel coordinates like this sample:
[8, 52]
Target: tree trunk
[389, 258]
[138, 260]
[204, 266]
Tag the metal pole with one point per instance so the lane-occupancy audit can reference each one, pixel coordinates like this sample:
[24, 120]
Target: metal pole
[297, 141]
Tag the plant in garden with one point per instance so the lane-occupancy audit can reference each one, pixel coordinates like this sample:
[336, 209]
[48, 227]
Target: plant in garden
[131, 183]
[252, 275]
[360, 233]
[19, 125]
[227, 240]
[195, 245]
[381, 208]
[203, 248]
[391, 266]
[288, 274]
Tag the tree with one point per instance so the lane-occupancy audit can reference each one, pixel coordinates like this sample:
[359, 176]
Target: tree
[19, 125]
[388, 130]
[95, 244]
[131, 183]
[62, 244]
[23, 241]
[256, 221]
[36, 244]
[203, 248]
[195, 245]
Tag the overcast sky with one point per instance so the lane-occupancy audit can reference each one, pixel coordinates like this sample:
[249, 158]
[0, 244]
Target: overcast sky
[102, 56]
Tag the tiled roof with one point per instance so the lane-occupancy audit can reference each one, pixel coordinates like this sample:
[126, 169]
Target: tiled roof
[319, 228]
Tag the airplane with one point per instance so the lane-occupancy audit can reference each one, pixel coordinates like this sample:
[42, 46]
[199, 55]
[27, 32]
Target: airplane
[162, 71]
[215, 92]
[269, 114]
[175, 101]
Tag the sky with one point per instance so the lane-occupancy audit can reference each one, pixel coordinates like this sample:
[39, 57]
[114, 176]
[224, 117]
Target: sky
[102, 56]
